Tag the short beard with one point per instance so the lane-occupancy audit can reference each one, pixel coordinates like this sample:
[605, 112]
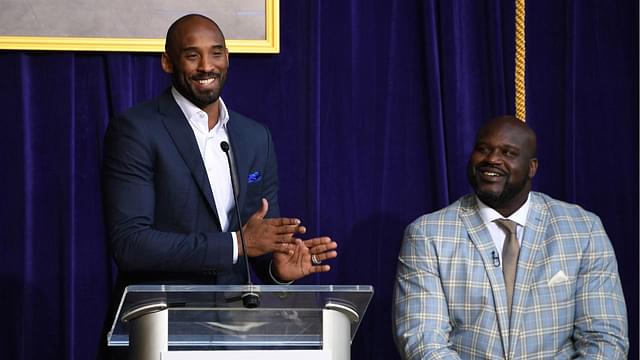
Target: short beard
[497, 200]
[200, 101]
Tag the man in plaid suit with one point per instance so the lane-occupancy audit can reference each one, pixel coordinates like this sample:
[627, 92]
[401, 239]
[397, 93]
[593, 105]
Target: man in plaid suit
[452, 299]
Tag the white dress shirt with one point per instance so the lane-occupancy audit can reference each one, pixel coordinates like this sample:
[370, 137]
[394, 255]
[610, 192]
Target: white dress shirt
[214, 159]
[498, 234]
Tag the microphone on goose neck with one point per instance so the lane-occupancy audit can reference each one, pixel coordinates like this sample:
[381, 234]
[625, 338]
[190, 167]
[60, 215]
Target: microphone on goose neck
[250, 299]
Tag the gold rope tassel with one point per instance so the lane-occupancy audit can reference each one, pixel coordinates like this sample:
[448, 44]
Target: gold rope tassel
[521, 111]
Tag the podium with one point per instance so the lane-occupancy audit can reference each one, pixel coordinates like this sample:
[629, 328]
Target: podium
[171, 322]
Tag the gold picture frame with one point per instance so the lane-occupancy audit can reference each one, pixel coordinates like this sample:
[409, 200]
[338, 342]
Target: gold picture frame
[270, 44]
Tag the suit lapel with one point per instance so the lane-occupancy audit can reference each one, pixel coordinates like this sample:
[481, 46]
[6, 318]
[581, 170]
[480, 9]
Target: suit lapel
[240, 158]
[185, 141]
[530, 254]
[481, 238]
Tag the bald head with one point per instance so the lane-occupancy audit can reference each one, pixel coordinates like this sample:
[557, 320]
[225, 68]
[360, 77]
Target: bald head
[177, 30]
[517, 128]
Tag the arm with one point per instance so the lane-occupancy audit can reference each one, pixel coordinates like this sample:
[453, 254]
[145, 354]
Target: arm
[129, 197]
[144, 235]
[600, 326]
[420, 310]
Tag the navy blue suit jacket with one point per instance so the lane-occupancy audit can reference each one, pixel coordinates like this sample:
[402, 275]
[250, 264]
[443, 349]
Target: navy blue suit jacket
[160, 212]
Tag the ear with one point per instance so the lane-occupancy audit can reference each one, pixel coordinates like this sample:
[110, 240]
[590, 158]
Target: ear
[165, 61]
[226, 53]
[533, 167]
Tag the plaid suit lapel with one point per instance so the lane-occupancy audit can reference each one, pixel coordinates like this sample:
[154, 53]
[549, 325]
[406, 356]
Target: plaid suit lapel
[481, 238]
[530, 256]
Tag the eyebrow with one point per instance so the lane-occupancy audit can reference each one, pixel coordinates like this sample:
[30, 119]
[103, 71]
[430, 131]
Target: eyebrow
[191, 48]
[503, 145]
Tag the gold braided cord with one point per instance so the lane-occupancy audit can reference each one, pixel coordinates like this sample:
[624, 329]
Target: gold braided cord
[521, 96]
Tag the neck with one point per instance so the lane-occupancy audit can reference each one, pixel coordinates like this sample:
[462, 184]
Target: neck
[213, 112]
[512, 206]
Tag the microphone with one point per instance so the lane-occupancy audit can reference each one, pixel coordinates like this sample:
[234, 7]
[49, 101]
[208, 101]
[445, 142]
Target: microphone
[496, 259]
[250, 299]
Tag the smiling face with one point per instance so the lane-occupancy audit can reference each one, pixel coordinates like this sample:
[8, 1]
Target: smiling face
[502, 164]
[197, 59]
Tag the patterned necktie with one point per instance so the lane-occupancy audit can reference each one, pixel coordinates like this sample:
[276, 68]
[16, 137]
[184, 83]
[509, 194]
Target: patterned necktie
[510, 251]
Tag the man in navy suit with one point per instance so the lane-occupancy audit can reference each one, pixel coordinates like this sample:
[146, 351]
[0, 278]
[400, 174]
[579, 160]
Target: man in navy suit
[168, 195]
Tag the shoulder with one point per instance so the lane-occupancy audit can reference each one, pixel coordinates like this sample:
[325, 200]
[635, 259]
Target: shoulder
[569, 226]
[247, 125]
[563, 212]
[144, 113]
[141, 110]
[444, 221]
[254, 136]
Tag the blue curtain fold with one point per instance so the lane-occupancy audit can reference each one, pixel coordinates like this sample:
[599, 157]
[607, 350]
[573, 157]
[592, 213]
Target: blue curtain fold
[373, 108]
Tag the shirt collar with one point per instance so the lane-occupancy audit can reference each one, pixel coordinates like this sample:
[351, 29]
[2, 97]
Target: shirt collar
[190, 110]
[488, 214]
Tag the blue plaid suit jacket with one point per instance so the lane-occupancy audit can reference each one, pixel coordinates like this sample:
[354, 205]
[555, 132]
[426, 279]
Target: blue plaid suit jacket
[450, 300]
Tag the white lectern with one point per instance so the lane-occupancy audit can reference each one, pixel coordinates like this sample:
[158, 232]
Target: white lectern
[170, 322]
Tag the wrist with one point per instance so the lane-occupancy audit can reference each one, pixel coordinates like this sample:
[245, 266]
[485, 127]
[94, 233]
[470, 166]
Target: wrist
[239, 246]
[275, 276]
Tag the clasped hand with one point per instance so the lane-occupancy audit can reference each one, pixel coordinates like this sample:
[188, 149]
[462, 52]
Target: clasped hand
[291, 255]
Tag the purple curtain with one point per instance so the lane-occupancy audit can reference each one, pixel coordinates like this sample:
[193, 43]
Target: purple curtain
[373, 108]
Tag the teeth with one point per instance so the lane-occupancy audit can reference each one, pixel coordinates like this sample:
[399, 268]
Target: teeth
[205, 81]
[491, 173]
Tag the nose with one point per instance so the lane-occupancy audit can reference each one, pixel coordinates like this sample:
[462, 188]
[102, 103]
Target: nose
[494, 157]
[206, 64]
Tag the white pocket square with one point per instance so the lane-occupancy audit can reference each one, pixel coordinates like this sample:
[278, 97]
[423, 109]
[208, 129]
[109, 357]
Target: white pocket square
[558, 278]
